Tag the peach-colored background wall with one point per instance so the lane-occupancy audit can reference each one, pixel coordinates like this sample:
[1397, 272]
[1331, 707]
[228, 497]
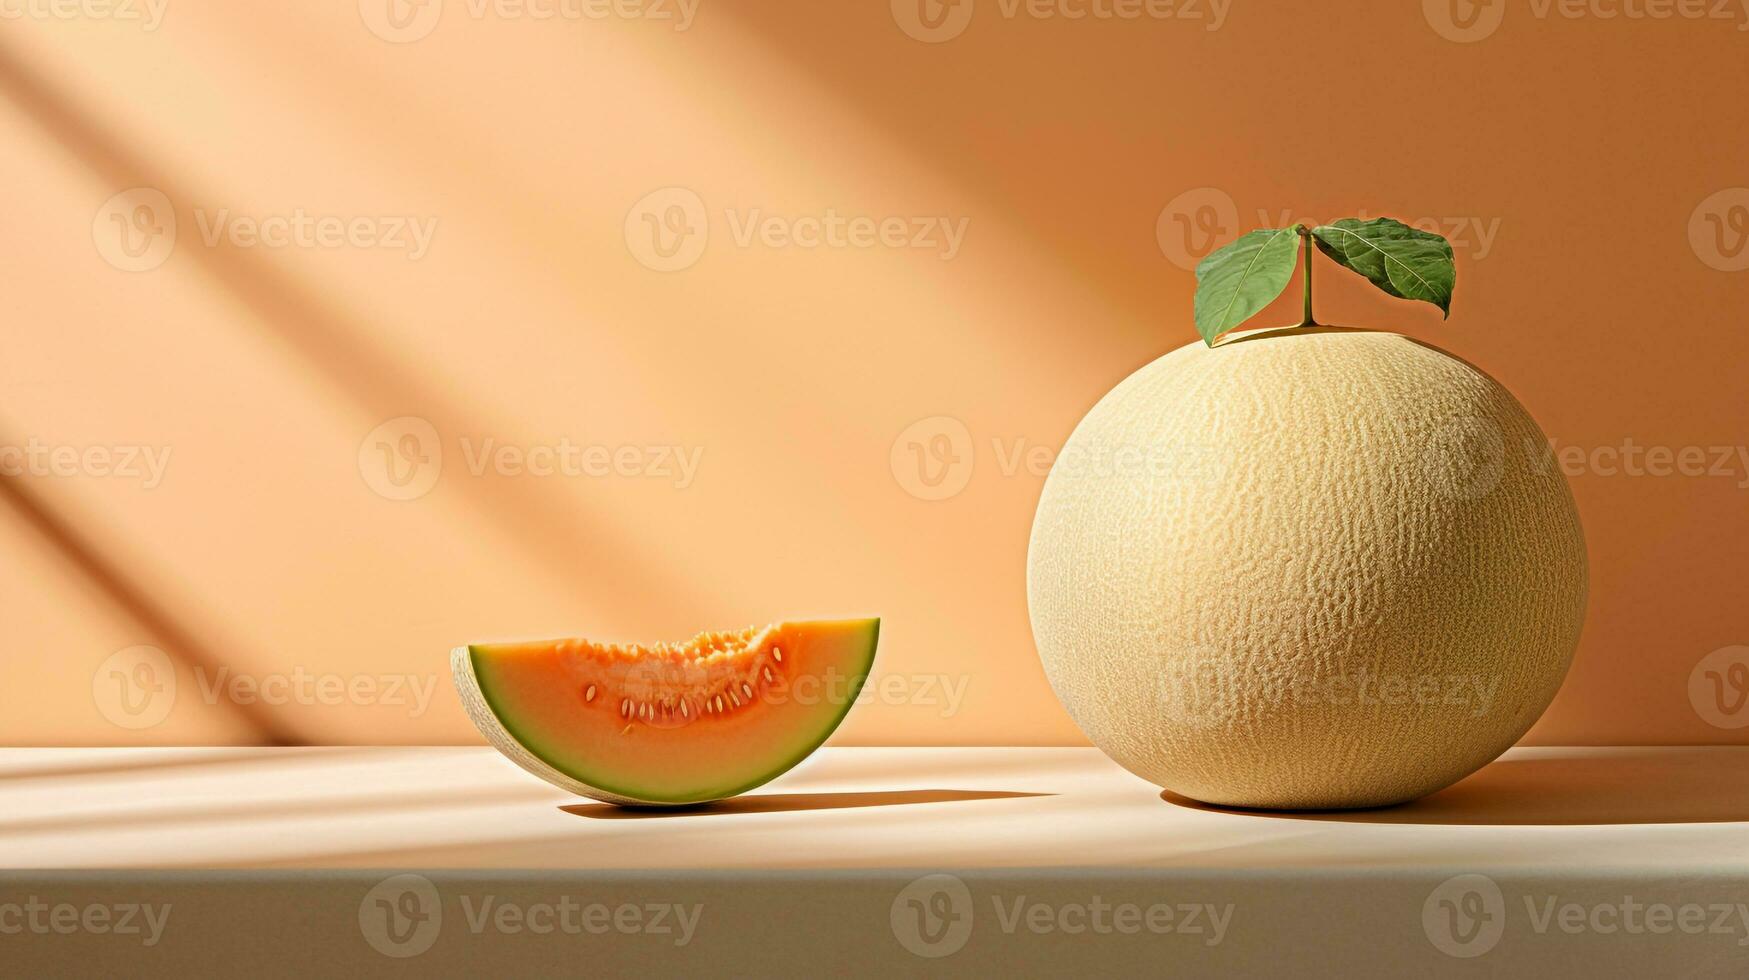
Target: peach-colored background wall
[505, 230]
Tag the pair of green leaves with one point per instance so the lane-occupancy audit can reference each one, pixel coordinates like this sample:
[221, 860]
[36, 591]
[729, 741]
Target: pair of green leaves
[1236, 281]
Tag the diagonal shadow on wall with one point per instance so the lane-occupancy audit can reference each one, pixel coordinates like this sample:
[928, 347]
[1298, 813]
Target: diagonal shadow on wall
[136, 603]
[537, 521]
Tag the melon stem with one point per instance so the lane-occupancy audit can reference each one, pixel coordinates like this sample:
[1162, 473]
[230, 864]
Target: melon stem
[1306, 243]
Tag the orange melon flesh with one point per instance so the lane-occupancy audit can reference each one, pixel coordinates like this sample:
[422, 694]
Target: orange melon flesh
[668, 724]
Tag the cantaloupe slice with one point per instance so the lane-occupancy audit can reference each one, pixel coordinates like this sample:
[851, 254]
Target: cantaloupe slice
[669, 724]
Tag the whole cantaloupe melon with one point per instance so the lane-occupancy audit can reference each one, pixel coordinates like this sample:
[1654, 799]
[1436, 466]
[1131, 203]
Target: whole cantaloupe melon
[1306, 568]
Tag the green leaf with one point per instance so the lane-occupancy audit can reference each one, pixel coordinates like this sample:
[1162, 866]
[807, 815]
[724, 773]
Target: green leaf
[1234, 282]
[1403, 261]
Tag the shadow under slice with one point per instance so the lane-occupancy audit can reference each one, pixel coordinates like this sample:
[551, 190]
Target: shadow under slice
[790, 803]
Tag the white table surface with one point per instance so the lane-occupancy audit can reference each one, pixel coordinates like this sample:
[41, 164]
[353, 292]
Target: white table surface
[275, 862]
[1663, 809]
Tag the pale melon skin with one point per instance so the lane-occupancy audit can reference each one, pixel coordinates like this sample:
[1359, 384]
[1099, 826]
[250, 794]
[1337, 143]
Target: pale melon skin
[1317, 554]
